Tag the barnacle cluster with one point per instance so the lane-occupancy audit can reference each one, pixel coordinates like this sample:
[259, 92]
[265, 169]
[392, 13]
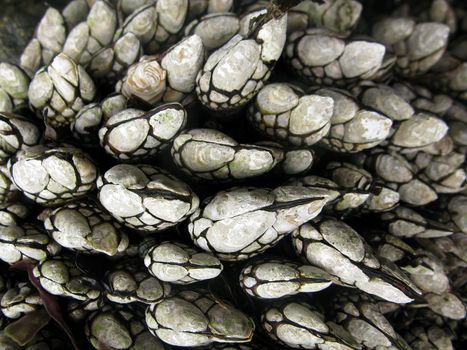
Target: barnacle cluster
[235, 175]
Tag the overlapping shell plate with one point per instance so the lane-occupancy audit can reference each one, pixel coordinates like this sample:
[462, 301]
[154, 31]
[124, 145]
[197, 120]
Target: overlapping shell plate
[205, 320]
[212, 155]
[145, 198]
[58, 91]
[179, 263]
[287, 115]
[251, 59]
[60, 276]
[271, 279]
[82, 226]
[134, 135]
[169, 78]
[300, 325]
[339, 250]
[53, 176]
[323, 57]
[129, 281]
[242, 222]
[26, 242]
[120, 327]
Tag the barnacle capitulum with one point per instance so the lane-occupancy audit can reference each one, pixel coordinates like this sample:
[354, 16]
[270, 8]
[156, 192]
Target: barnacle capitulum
[212, 155]
[19, 300]
[82, 226]
[119, 327]
[214, 29]
[14, 85]
[53, 176]
[48, 41]
[61, 276]
[145, 198]
[196, 318]
[179, 263]
[222, 88]
[17, 133]
[58, 91]
[26, 241]
[300, 325]
[169, 77]
[417, 46]
[361, 317]
[277, 278]
[323, 57]
[287, 115]
[340, 16]
[129, 281]
[354, 128]
[241, 222]
[335, 247]
[134, 135]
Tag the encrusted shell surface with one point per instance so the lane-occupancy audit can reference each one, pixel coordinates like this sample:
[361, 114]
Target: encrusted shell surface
[196, 318]
[134, 135]
[84, 227]
[212, 155]
[145, 198]
[242, 222]
[179, 263]
[287, 115]
[53, 176]
[26, 242]
[58, 91]
[272, 279]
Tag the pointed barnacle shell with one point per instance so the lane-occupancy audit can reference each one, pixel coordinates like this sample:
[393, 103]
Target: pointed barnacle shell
[26, 242]
[279, 278]
[324, 57]
[353, 128]
[19, 300]
[120, 327]
[286, 114]
[179, 263]
[385, 100]
[417, 47]
[338, 15]
[145, 80]
[129, 281]
[16, 133]
[205, 319]
[421, 130]
[14, 85]
[447, 304]
[59, 275]
[48, 41]
[87, 122]
[214, 29]
[134, 135]
[145, 198]
[53, 176]
[60, 90]
[361, 316]
[182, 63]
[82, 226]
[235, 72]
[301, 325]
[210, 154]
[242, 222]
[339, 250]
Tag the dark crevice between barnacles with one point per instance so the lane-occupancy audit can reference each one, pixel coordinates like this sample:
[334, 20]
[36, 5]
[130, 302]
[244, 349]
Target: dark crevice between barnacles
[50, 301]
